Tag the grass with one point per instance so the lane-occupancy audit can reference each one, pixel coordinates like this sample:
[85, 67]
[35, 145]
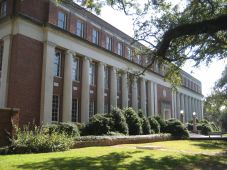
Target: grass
[182, 155]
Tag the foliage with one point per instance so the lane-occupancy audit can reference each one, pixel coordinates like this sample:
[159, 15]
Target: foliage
[146, 128]
[204, 128]
[69, 129]
[38, 140]
[161, 122]
[118, 121]
[154, 125]
[133, 121]
[99, 124]
[176, 128]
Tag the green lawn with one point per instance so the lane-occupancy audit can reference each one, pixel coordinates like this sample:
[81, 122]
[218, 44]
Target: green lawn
[158, 155]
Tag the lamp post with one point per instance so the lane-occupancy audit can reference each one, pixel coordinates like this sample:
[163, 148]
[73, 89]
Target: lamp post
[182, 116]
[194, 122]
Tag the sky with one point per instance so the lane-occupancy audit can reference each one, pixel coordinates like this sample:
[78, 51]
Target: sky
[206, 74]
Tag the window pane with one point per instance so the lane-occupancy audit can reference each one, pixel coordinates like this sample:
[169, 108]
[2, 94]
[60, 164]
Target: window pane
[61, 20]
[80, 29]
[92, 74]
[119, 49]
[55, 108]
[118, 84]
[106, 78]
[108, 43]
[91, 108]
[95, 36]
[75, 110]
[57, 63]
[1, 57]
[76, 69]
[3, 7]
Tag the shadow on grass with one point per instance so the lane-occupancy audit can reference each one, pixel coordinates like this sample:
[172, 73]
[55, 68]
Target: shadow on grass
[211, 144]
[117, 161]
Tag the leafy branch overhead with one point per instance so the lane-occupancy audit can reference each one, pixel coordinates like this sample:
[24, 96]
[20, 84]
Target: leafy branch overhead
[194, 30]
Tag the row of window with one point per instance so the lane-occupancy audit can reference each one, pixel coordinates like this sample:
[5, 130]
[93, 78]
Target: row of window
[3, 8]
[79, 31]
[190, 84]
[74, 111]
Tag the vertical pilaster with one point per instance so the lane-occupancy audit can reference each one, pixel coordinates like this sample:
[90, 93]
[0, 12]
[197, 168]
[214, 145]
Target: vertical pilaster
[85, 97]
[5, 70]
[47, 83]
[143, 96]
[150, 100]
[67, 88]
[124, 90]
[113, 90]
[100, 88]
[178, 105]
[155, 99]
[134, 95]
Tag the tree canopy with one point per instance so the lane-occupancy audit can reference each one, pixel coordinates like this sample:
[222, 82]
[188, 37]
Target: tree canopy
[192, 30]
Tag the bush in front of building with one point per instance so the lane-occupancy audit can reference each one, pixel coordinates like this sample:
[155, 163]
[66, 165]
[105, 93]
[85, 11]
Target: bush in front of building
[69, 129]
[154, 125]
[161, 122]
[204, 128]
[38, 140]
[118, 122]
[224, 121]
[176, 129]
[133, 121]
[99, 124]
[146, 128]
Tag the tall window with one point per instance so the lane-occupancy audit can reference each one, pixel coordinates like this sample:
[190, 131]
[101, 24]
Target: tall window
[75, 110]
[106, 108]
[106, 77]
[80, 28]
[120, 48]
[61, 20]
[55, 108]
[95, 36]
[92, 74]
[108, 43]
[3, 7]
[129, 51]
[1, 58]
[91, 108]
[118, 84]
[76, 69]
[57, 63]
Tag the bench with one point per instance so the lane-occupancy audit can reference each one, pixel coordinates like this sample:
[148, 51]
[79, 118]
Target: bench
[216, 133]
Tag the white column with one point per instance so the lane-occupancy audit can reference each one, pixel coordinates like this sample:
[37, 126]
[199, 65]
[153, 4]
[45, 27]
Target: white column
[134, 95]
[189, 108]
[201, 106]
[67, 88]
[143, 96]
[100, 88]
[5, 70]
[113, 90]
[150, 99]
[178, 105]
[85, 97]
[173, 104]
[124, 90]
[155, 99]
[186, 108]
[47, 83]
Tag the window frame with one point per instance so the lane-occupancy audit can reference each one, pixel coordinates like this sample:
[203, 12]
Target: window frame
[95, 36]
[60, 21]
[57, 64]
[58, 109]
[3, 8]
[92, 69]
[129, 53]
[109, 42]
[106, 77]
[91, 111]
[75, 115]
[1, 57]
[76, 69]
[80, 32]
[120, 48]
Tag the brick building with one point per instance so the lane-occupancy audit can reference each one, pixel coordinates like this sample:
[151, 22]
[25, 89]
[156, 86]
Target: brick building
[62, 63]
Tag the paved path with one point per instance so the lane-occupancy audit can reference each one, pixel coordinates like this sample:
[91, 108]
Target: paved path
[194, 136]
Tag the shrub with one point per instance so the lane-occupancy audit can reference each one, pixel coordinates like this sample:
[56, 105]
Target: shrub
[224, 121]
[176, 128]
[69, 129]
[133, 121]
[37, 141]
[161, 122]
[155, 127]
[214, 127]
[204, 121]
[205, 128]
[190, 126]
[99, 124]
[146, 128]
[118, 121]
